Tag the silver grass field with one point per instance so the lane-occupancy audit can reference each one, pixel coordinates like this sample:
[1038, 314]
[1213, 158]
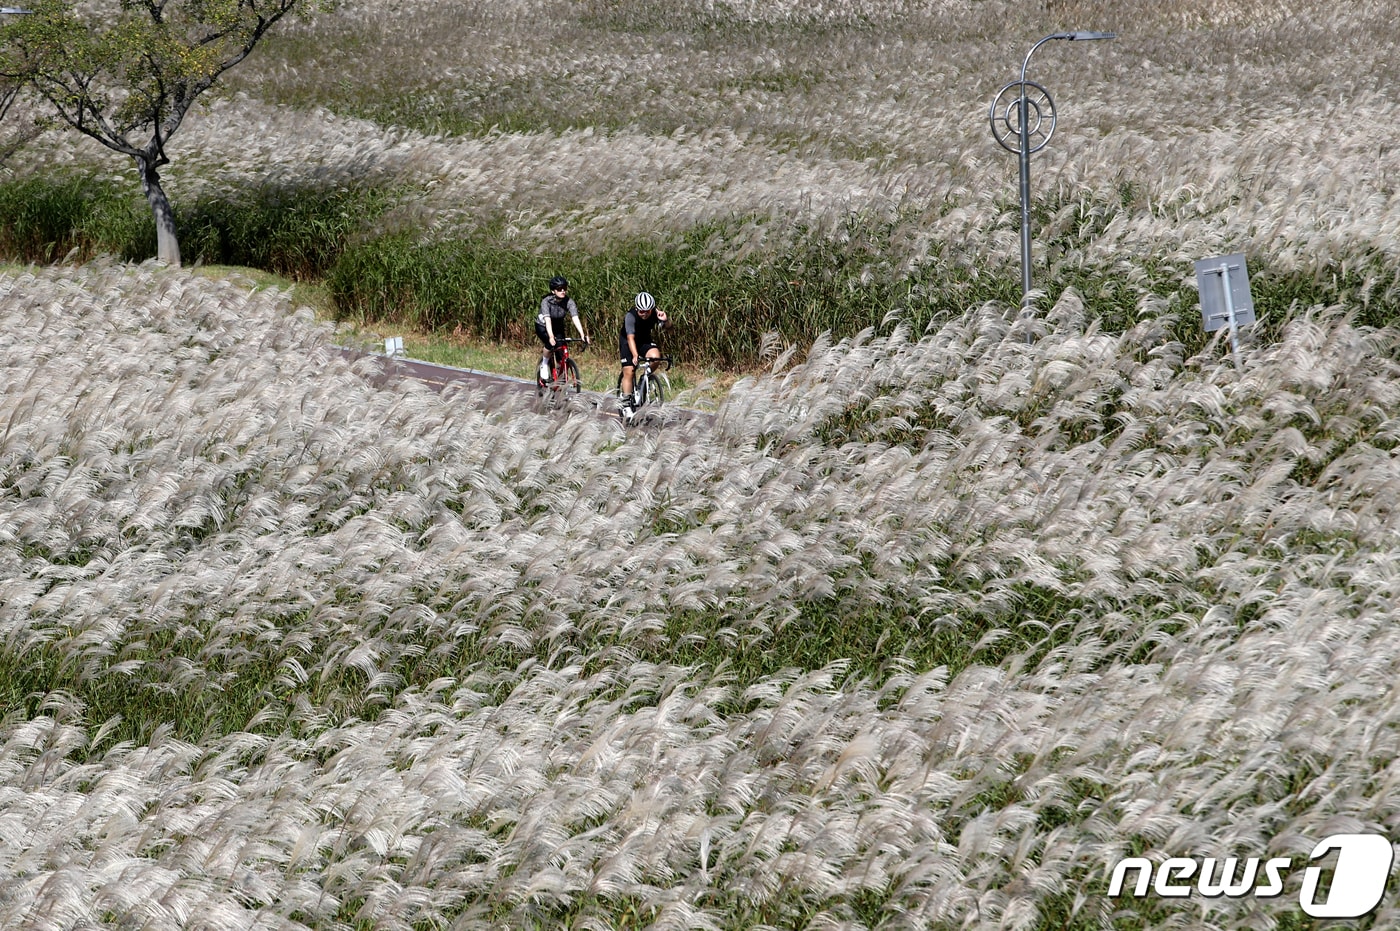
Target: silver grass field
[927, 630]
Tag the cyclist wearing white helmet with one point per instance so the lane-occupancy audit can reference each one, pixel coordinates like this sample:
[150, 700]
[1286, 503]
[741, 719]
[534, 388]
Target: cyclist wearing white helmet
[637, 340]
[554, 308]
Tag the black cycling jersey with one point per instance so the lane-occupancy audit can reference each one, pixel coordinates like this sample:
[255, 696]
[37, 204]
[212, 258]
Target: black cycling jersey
[640, 327]
[643, 328]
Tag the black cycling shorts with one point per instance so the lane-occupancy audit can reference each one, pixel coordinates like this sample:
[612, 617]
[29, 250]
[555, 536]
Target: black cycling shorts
[625, 354]
[543, 334]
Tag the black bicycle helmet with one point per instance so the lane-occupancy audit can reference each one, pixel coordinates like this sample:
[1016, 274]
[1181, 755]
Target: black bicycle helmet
[557, 282]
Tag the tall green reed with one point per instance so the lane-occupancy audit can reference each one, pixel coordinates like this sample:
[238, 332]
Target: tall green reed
[723, 294]
[47, 219]
[294, 230]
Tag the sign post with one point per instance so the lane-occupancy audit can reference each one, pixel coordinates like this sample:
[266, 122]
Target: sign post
[1225, 299]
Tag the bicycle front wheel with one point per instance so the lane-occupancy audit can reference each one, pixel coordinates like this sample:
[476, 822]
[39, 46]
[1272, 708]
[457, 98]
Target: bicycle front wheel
[571, 377]
[655, 389]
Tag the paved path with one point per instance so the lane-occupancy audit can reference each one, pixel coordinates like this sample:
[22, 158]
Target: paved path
[505, 386]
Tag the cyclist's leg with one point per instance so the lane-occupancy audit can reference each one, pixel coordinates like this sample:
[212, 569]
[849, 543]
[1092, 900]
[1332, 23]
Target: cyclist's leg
[625, 384]
[543, 335]
[625, 379]
[654, 388]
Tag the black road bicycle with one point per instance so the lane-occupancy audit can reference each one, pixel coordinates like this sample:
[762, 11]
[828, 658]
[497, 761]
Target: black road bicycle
[649, 385]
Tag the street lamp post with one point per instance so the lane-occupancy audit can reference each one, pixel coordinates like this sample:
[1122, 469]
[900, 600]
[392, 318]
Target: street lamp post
[1022, 110]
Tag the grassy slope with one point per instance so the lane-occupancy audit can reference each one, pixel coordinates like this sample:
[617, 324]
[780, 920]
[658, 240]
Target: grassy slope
[889, 640]
[925, 634]
[841, 161]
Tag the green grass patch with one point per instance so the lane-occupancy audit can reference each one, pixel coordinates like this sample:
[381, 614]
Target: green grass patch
[52, 219]
[291, 230]
[839, 281]
[723, 298]
[813, 280]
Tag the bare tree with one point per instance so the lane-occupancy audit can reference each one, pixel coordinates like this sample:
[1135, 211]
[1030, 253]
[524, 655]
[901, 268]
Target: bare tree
[9, 141]
[12, 81]
[126, 72]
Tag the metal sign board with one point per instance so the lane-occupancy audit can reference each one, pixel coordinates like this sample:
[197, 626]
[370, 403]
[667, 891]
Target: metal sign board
[1224, 286]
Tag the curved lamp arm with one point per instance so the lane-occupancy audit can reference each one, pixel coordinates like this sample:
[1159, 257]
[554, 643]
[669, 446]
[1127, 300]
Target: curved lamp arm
[1082, 35]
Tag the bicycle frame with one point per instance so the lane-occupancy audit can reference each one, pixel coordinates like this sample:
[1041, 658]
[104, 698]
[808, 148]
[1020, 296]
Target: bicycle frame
[649, 382]
[652, 366]
[559, 359]
[560, 365]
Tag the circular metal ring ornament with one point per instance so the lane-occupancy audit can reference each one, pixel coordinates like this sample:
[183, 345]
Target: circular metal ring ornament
[1006, 116]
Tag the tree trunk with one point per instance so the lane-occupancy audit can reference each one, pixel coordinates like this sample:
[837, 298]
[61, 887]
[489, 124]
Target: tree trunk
[167, 244]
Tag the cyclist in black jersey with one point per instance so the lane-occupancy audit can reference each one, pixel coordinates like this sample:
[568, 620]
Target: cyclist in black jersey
[637, 340]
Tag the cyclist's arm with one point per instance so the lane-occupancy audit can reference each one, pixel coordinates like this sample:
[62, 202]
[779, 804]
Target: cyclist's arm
[546, 319]
[578, 324]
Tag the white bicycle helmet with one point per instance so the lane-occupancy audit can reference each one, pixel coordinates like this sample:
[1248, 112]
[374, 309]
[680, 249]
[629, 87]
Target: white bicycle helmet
[645, 302]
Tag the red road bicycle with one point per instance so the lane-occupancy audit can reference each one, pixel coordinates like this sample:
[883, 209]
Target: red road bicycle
[563, 377]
